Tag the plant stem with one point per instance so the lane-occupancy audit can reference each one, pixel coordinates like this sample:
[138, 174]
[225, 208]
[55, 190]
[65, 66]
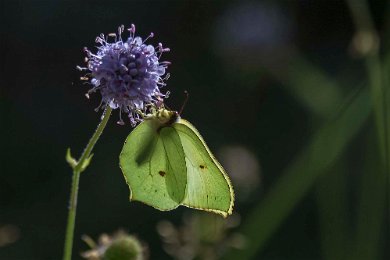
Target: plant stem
[364, 24]
[80, 167]
[370, 223]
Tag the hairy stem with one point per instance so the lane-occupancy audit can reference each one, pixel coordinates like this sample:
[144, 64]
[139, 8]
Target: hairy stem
[77, 169]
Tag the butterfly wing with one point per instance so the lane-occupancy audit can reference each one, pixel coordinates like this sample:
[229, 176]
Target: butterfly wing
[208, 186]
[153, 164]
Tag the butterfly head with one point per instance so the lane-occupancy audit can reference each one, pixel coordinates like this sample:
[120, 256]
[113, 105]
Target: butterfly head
[166, 117]
[161, 115]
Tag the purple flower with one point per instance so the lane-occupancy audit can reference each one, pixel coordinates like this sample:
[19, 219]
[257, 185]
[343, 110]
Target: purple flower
[127, 73]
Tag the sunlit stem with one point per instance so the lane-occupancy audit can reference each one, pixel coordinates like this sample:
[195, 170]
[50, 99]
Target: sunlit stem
[79, 167]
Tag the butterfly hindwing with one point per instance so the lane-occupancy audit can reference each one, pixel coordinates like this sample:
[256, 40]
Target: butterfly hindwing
[208, 186]
[152, 162]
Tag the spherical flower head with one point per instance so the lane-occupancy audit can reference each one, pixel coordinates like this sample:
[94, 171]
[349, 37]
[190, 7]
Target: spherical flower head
[127, 73]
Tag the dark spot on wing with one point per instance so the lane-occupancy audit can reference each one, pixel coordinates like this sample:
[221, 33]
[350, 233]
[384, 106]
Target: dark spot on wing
[202, 166]
[155, 190]
[162, 173]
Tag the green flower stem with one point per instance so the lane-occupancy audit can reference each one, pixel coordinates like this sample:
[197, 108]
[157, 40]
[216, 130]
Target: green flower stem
[370, 224]
[369, 38]
[79, 167]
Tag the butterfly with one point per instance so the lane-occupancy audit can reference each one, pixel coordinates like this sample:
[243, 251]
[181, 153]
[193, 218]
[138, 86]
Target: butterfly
[166, 163]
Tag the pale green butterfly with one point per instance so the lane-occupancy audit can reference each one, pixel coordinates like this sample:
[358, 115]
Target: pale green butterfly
[166, 163]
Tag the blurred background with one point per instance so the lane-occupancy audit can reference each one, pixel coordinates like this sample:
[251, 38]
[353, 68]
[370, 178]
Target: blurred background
[290, 95]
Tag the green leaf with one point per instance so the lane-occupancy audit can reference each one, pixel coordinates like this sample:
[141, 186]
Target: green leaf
[332, 203]
[299, 177]
[68, 157]
[371, 200]
[86, 163]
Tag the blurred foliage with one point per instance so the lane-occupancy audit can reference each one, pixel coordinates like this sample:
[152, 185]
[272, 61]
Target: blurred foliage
[293, 95]
[201, 236]
[119, 246]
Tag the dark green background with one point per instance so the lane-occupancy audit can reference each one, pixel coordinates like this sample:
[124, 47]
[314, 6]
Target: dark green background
[269, 92]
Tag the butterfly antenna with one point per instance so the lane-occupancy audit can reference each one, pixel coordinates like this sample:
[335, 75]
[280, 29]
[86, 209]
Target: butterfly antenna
[185, 101]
